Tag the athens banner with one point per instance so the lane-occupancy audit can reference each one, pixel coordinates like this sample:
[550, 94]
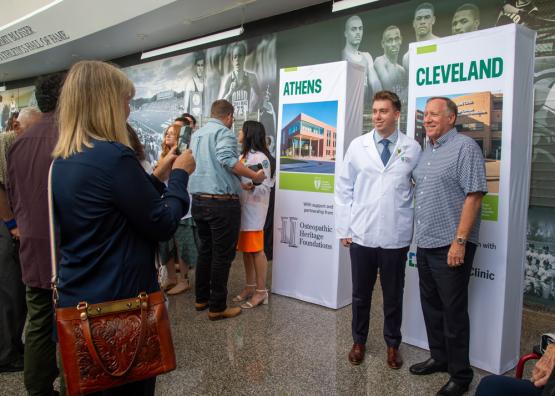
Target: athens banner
[317, 105]
[492, 86]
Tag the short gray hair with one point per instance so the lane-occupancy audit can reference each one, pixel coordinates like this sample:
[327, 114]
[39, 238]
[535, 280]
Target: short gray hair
[28, 112]
[451, 106]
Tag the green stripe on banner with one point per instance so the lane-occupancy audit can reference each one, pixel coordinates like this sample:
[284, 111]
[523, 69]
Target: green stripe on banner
[306, 182]
[290, 69]
[426, 49]
[490, 207]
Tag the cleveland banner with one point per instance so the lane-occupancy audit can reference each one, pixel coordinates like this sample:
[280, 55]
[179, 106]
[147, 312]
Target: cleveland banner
[320, 108]
[489, 75]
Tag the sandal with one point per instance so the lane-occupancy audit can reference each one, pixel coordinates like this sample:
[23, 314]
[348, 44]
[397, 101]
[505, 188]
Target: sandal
[264, 301]
[244, 295]
[182, 286]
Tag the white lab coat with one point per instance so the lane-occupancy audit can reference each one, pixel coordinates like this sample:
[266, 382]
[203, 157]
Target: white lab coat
[254, 203]
[374, 203]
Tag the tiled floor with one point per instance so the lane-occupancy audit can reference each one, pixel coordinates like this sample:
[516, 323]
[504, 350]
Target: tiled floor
[288, 348]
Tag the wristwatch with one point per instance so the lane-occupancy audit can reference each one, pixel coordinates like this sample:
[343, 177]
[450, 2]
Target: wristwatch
[461, 241]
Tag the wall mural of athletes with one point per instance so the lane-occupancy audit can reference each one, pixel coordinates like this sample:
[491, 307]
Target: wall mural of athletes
[242, 72]
[378, 40]
[245, 73]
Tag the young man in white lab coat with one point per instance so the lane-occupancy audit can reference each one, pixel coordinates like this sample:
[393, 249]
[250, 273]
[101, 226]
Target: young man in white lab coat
[374, 219]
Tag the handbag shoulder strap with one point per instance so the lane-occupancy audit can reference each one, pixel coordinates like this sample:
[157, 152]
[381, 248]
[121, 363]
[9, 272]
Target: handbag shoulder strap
[52, 231]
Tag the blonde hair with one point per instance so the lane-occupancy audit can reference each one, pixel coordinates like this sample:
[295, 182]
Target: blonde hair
[92, 106]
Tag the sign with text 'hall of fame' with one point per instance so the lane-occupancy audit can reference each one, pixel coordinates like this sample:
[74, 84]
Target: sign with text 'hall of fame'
[320, 109]
[489, 75]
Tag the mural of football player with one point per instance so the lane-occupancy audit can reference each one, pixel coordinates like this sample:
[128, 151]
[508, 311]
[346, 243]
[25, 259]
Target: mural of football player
[466, 19]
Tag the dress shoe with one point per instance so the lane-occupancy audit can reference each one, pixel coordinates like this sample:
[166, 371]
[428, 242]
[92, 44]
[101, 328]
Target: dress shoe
[356, 356]
[228, 313]
[429, 366]
[394, 359]
[201, 306]
[12, 367]
[451, 388]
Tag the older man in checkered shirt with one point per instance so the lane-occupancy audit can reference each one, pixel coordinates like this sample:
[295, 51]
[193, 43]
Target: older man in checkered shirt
[450, 183]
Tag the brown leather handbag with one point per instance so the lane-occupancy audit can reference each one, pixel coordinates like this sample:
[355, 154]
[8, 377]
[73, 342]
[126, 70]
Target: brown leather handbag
[111, 343]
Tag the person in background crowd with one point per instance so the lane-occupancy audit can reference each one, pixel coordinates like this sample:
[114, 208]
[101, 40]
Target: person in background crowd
[377, 232]
[447, 212]
[27, 117]
[542, 382]
[269, 223]
[139, 149]
[28, 163]
[118, 212]
[13, 310]
[254, 207]
[216, 208]
[178, 281]
[10, 124]
[466, 19]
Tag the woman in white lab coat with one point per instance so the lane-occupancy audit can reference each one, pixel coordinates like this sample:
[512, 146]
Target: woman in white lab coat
[254, 206]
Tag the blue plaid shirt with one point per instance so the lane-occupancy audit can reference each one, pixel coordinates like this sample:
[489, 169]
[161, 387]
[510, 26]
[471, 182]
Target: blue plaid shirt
[446, 172]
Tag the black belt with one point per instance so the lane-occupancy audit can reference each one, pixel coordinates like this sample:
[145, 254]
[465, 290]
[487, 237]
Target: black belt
[221, 197]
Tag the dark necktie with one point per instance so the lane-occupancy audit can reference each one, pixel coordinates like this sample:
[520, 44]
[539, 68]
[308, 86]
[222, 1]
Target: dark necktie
[385, 153]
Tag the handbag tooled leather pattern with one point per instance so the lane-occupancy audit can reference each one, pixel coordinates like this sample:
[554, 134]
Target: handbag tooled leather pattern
[115, 339]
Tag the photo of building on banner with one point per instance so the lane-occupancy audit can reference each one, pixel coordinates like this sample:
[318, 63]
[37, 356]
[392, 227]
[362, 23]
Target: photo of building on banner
[308, 139]
[480, 117]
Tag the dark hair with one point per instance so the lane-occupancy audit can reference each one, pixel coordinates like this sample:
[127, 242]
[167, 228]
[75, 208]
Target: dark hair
[254, 139]
[388, 95]
[451, 106]
[199, 55]
[10, 123]
[425, 6]
[47, 91]
[136, 144]
[390, 27]
[182, 119]
[470, 7]
[241, 46]
[187, 115]
[221, 108]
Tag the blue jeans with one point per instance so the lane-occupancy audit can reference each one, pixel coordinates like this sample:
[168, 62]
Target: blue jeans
[218, 223]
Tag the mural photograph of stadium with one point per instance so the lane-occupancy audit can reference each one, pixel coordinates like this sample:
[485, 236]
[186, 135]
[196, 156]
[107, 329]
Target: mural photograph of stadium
[480, 117]
[308, 137]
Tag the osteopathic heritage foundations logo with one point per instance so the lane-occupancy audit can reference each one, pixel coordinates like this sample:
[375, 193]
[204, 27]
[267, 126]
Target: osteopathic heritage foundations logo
[295, 233]
[317, 182]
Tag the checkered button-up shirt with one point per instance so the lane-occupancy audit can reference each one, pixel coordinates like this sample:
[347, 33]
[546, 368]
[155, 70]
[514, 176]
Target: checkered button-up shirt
[447, 171]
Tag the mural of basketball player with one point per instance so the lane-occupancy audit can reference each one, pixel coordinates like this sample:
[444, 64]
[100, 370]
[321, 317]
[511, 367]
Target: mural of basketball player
[392, 75]
[466, 19]
[354, 30]
[241, 87]
[194, 89]
[423, 23]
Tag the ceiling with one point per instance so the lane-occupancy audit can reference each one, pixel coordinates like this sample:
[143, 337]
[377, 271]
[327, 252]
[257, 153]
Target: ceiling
[164, 24]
